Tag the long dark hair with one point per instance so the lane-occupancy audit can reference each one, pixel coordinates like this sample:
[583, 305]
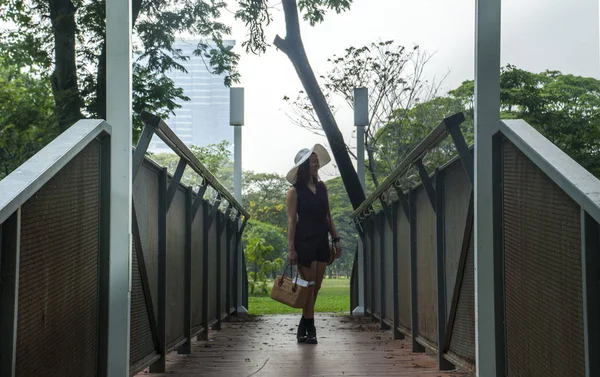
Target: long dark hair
[303, 174]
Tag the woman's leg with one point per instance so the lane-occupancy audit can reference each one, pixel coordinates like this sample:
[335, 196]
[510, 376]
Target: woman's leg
[309, 274]
[320, 273]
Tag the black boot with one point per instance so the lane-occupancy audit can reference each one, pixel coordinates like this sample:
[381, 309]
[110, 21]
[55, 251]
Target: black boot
[301, 335]
[311, 331]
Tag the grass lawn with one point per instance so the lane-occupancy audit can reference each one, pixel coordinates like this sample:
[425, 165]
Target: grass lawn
[334, 297]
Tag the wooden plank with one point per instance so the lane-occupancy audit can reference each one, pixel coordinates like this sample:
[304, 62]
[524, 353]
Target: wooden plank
[266, 346]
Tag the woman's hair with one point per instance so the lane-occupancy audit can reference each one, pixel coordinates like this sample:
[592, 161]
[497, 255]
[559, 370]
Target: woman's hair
[303, 174]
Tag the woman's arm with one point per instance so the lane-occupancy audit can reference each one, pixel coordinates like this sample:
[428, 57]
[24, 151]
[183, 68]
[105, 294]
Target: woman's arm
[291, 204]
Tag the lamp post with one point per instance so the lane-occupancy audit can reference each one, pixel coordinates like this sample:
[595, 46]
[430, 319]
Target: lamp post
[361, 119]
[236, 120]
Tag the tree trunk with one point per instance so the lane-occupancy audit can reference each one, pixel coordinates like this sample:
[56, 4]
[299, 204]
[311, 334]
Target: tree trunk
[100, 106]
[293, 47]
[64, 78]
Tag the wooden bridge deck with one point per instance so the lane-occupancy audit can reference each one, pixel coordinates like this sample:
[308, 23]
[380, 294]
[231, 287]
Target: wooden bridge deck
[265, 346]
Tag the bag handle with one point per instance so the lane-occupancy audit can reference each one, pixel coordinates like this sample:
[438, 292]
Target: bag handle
[280, 282]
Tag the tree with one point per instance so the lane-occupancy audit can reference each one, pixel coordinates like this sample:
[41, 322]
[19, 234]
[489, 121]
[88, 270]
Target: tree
[67, 37]
[393, 75]
[292, 46]
[27, 123]
[264, 197]
[564, 108]
[271, 234]
[264, 188]
[215, 157]
[407, 129]
[257, 254]
[79, 66]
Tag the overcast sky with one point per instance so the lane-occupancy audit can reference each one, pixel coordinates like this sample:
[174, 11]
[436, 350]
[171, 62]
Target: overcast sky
[537, 35]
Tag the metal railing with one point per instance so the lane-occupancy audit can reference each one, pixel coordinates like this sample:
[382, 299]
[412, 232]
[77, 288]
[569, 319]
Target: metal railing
[186, 251]
[54, 257]
[54, 216]
[419, 257]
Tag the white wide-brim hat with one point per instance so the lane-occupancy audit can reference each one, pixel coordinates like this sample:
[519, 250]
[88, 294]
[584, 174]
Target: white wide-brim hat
[304, 155]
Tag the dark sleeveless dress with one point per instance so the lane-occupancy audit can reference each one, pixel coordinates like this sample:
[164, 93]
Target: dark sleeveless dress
[311, 239]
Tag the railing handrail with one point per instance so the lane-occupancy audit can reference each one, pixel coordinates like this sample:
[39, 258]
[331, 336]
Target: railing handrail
[581, 185]
[435, 137]
[169, 137]
[22, 183]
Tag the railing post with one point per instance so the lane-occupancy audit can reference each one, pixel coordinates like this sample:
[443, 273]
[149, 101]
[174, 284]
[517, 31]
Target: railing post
[236, 267]
[373, 221]
[243, 292]
[228, 235]
[104, 257]
[441, 268]
[10, 239]
[498, 251]
[397, 334]
[366, 285]
[416, 346]
[219, 225]
[203, 335]
[382, 248]
[160, 365]
[141, 149]
[590, 268]
[187, 325]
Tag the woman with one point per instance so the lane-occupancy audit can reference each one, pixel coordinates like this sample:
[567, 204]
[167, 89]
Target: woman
[309, 222]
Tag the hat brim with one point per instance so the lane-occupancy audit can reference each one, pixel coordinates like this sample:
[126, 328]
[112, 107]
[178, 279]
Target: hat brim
[322, 155]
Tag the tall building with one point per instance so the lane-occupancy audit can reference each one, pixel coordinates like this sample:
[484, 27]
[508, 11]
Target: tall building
[204, 119]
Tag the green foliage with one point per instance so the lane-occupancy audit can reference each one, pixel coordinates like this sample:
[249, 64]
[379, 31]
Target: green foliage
[271, 234]
[215, 157]
[564, 108]
[314, 10]
[27, 123]
[257, 14]
[265, 188]
[264, 197]
[341, 208]
[36, 27]
[259, 257]
[406, 129]
[67, 38]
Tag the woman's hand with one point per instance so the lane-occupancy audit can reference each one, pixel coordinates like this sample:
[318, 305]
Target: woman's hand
[292, 257]
[338, 248]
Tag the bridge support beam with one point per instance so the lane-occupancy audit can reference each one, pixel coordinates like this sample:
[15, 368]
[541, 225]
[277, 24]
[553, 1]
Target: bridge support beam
[119, 116]
[489, 353]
